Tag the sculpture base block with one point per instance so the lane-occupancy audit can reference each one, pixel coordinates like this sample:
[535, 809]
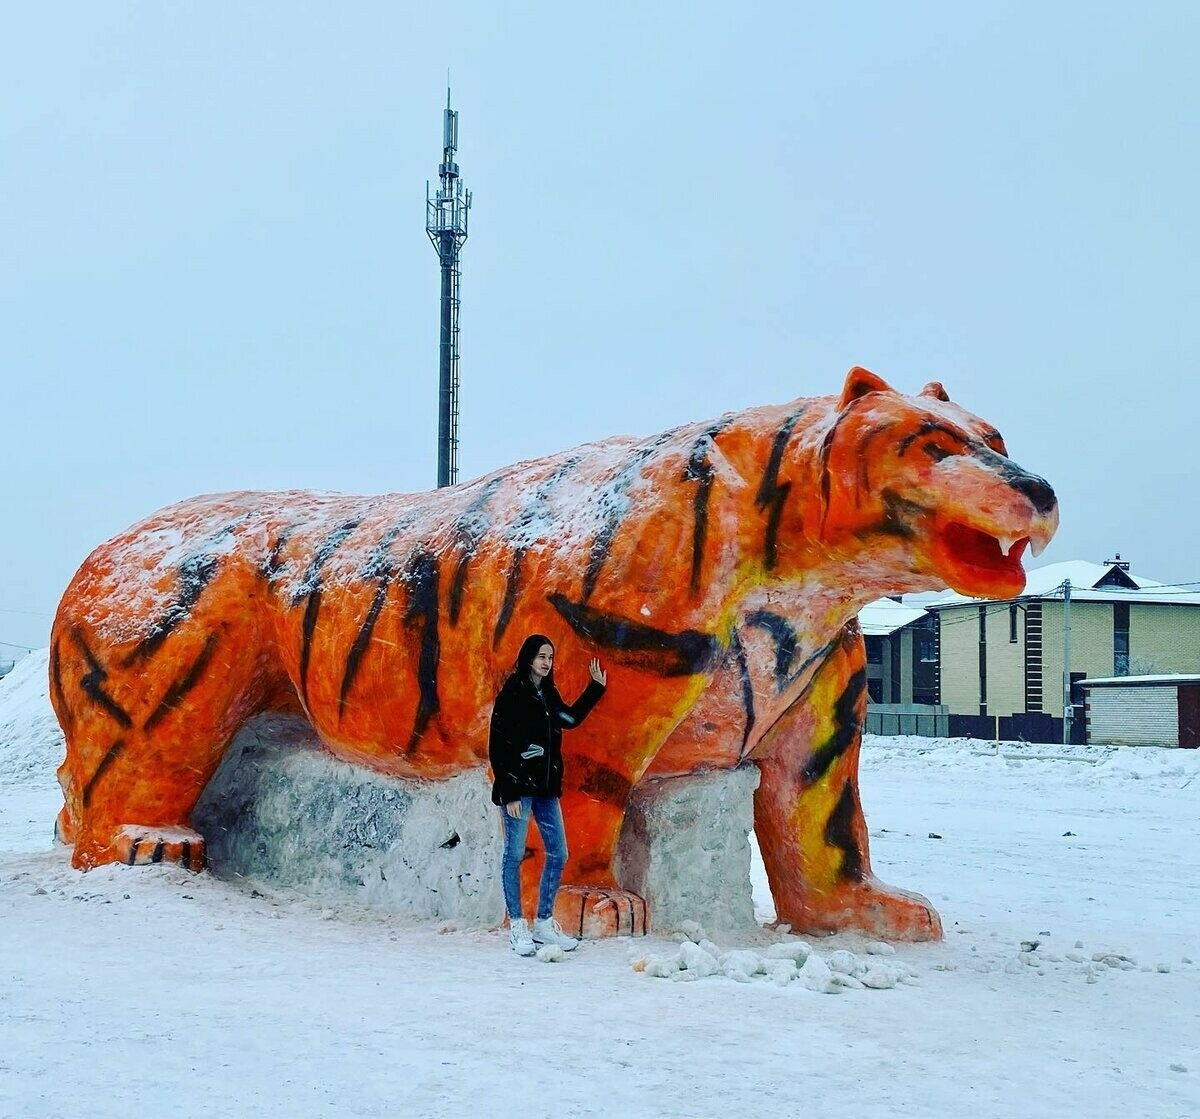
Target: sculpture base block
[685, 848]
[281, 809]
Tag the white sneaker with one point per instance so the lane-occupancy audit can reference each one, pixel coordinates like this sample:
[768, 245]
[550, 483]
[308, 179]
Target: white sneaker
[519, 939]
[546, 930]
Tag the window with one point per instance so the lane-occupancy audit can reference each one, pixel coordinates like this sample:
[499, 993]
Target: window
[875, 689]
[874, 650]
[1012, 624]
[926, 643]
[1120, 638]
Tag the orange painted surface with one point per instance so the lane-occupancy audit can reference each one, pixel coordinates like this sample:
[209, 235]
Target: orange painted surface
[716, 571]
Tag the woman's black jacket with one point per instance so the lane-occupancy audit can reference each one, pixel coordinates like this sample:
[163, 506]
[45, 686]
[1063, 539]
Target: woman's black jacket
[525, 744]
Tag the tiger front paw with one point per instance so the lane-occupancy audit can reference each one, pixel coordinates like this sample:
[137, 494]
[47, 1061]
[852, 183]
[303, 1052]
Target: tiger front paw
[870, 907]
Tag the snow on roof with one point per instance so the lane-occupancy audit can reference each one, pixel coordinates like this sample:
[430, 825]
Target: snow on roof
[886, 615]
[1046, 582]
[1142, 681]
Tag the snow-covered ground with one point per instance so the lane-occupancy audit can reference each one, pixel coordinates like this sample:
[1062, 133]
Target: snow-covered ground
[1068, 983]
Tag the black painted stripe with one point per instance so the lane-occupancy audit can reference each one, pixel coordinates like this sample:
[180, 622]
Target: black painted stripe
[311, 580]
[1037, 489]
[91, 682]
[863, 458]
[361, 641]
[185, 855]
[133, 851]
[381, 567]
[609, 499]
[839, 833]
[309, 626]
[535, 511]
[157, 856]
[273, 565]
[458, 584]
[823, 459]
[899, 515]
[783, 633]
[599, 781]
[196, 571]
[699, 469]
[65, 717]
[847, 728]
[771, 494]
[470, 530]
[699, 528]
[739, 654]
[929, 427]
[421, 614]
[181, 687]
[817, 655]
[310, 587]
[512, 585]
[639, 646]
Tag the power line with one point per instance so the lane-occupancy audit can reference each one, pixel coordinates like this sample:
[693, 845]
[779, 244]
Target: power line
[14, 645]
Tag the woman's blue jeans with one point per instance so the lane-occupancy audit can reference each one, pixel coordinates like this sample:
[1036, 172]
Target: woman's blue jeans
[548, 814]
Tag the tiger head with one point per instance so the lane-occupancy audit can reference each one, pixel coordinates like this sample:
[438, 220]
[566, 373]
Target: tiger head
[920, 488]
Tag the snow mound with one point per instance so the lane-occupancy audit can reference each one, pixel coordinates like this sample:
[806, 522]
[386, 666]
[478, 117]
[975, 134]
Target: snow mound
[31, 741]
[1096, 764]
[783, 963]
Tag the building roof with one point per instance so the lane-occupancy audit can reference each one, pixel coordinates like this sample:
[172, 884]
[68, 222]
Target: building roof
[886, 615]
[1160, 680]
[1046, 582]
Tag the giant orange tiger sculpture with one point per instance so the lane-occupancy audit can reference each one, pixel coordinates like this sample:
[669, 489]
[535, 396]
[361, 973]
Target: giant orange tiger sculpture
[717, 568]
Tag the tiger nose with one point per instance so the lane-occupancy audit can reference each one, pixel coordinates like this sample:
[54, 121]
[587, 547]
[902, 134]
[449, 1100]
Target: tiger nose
[1038, 490]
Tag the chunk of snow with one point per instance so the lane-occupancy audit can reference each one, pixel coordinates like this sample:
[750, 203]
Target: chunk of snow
[798, 950]
[658, 966]
[698, 959]
[845, 963]
[741, 964]
[780, 972]
[847, 981]
[816, 976]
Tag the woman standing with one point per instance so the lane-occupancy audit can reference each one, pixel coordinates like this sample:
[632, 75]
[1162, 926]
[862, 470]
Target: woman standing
[525, 749]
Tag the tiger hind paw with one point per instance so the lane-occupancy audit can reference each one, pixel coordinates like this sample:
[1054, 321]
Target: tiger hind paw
[591, 912]
[140, 845]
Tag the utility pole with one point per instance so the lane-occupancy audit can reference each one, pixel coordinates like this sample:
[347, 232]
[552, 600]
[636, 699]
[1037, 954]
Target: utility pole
[446, 224]
[1068, 706]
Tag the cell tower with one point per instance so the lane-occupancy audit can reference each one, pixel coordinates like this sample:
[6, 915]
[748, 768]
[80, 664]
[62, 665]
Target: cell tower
[446, 224]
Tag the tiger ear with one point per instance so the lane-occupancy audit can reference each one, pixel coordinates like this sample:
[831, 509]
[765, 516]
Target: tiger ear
[934, 389]
[859, 382]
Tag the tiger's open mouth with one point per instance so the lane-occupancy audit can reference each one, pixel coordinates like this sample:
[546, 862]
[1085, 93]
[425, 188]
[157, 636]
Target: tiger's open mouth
[973, 562]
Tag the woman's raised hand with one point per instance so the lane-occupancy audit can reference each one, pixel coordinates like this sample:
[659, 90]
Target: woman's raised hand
[598, 674]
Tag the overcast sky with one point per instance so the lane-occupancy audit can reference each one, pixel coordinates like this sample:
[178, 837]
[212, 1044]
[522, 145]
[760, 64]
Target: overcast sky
[215, 273]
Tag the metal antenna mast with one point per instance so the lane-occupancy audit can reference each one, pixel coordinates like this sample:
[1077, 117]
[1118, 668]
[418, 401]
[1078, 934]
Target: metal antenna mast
[446, 224]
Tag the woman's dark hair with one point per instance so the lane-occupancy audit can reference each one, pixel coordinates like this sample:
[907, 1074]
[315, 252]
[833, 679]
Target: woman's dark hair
[529, 649]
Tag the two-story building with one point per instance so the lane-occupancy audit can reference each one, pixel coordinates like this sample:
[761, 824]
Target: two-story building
[1015, 660]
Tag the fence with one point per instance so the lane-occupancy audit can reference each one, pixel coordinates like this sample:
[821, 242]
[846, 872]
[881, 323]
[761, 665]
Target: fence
[921, 719]
[1030, 726]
